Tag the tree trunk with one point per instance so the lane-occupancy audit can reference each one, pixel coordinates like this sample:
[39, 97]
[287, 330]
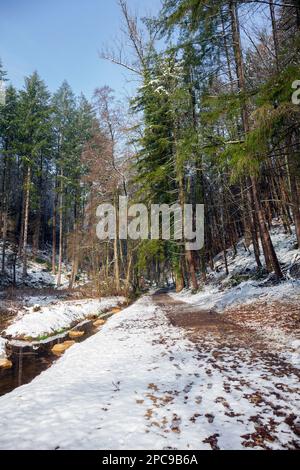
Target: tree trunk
[38, 221]
[4, 212]
[4, 236]
[192, 270]
[26, 221]
[54, 238]
[255, 237]
[265, 236]
[293, 169]
[116, 265]
[127, 283]
[179, 277]
[21, 231]
[74, 256]
[227, 55]
[275, 33]
[60, 255]
[36, 234]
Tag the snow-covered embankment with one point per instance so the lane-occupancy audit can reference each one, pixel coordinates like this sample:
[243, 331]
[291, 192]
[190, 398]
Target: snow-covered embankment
[37, 322]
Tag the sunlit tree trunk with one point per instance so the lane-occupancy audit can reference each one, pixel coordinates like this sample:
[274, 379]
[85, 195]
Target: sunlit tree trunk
[60, 254]
[26, 220]
[54, 237]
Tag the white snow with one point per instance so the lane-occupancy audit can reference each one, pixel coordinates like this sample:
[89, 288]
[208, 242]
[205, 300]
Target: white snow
[219, 294]
[244, 260]
[53, 318]
[39, 276]
[41, 300]
[139, 383]
[39, 273]
[218, 298]
[2, 348]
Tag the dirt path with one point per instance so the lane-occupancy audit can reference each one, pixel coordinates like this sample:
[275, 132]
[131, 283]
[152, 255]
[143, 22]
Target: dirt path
[249, 370]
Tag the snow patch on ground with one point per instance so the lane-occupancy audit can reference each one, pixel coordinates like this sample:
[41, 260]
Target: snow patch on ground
[39, 273]
[243, 261]
[51, 319]
[222, 293]
[140, 383]
[41, 300]
[2, 348]
[39, 276]
[219, 298]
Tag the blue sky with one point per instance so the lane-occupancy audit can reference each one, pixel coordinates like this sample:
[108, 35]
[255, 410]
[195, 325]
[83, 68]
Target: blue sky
[61, 39]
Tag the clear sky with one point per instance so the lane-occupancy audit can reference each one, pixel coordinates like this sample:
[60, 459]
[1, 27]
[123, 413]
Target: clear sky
[61, 39]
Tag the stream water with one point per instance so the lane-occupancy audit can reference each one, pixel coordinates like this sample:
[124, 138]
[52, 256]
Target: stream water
[27, 366]
[24, 371]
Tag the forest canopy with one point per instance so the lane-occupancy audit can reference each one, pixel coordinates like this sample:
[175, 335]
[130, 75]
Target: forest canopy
[212, 122]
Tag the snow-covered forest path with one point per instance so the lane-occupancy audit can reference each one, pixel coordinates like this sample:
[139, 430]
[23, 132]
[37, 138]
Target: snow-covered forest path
[161, 375]
[250, 382]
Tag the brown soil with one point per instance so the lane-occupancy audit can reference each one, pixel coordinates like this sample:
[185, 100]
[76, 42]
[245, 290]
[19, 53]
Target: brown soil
[199, 323]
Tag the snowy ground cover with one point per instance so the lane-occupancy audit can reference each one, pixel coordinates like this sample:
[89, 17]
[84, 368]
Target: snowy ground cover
[53, 318]
[223, 292]
[243, 261]
[260, 305]
[40, 300]
[39, 273]
[218, 298]
[140, 383]
[2, 348]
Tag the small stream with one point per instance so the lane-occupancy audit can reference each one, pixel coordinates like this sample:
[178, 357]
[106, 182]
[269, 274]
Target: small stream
[27, 366]
[24, 371]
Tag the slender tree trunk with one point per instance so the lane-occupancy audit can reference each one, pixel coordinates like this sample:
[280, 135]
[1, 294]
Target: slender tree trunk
[54, 237]
[266, 239]
[36, 234]
[107, 260]
[14, 262]
[4, 236]
[127, 282]
[198, 192]
[192, 270]
[4, 213]
[275, 33]
[21, 238]
[189, 254]
[60, 254]
[271, 255]
[179, 276]
[224, 225]
[74, 255]
[254, 230]
[227, 55]
[294, 170]
[116, 259]
[26, 221]
[38, 221]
